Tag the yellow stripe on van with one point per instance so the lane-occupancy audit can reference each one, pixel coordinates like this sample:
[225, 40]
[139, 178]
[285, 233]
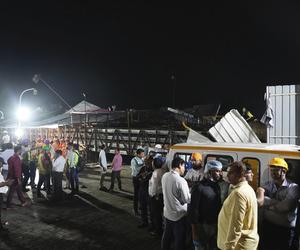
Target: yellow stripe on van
[264, 151]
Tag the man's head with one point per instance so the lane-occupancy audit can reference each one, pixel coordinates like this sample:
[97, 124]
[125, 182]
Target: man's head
[278, 169]
[58, 152]
[70, 145]
[117, 150]
[178, 165]
[248, 174]
[140, 153]
[25, 142]
[158, 162]
[214, 169]
[18, 150]
[76, 146]
[236, 172]
[102, 146]
[196, 160]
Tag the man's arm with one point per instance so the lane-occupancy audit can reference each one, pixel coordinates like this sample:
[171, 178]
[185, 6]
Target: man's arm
[185, 192]
[290, 201]
[6, 183]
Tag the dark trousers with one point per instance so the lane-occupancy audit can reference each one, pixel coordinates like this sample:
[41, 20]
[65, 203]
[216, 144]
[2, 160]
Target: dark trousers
[174, 232]
[115, 175]
[74, 179]
[32, 169]
[136, 187]
[143, 199]
[44, 178]
[57, 184]
[1, 202]
[157, 205]
[15, 187]
[26, 175]
[277, 237]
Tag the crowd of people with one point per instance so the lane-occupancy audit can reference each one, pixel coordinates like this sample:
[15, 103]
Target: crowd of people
[53, 159]
[188, 203]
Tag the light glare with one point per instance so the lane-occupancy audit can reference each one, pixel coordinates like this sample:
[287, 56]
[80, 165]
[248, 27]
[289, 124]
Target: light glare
[23, 114]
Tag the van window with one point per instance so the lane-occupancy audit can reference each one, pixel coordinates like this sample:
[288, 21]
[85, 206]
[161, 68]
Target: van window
[184, 156]
[224, 159]
[294, 170]
[255, 165]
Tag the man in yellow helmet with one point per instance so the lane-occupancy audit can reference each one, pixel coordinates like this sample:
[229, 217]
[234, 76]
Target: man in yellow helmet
[278, 199]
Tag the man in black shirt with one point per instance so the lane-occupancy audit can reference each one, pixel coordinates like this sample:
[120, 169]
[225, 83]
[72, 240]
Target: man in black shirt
[206, 202]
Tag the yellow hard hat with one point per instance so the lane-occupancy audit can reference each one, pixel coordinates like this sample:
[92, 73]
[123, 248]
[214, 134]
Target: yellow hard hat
[279, 162]
[196, 156]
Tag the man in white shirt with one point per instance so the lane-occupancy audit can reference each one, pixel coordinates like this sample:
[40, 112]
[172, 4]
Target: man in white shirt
[103, 167]
[57, 173]
[176, 196]
[137, 163]
[6, 154]
[6, 137]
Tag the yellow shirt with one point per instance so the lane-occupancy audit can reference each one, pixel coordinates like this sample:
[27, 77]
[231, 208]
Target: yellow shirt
[237, 221]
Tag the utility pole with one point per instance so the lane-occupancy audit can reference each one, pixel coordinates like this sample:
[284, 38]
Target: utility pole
[85, 129]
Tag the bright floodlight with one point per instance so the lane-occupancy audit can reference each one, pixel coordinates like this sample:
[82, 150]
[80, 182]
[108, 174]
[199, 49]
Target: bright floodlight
[23, 114]
[19, 132]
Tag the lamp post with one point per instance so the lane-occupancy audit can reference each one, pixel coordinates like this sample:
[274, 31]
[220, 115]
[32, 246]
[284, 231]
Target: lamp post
[173, 78]
[37, 78]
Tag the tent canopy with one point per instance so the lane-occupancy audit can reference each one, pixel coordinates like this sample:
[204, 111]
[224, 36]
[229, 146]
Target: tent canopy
[85, 107]
[66, 118]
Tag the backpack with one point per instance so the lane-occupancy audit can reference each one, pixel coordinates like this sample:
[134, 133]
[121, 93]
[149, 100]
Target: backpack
[81, 163]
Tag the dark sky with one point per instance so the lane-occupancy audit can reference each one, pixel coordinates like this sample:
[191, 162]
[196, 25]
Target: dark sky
[125, 54]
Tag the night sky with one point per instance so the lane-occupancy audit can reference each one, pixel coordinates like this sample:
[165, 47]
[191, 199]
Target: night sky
[125, 54]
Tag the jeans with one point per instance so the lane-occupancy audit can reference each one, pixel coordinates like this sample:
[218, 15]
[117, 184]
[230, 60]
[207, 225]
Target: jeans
[143, 199]
[57, 184]
[1, 202]
[74, 179]
[277, 237]
[136, 187]
[44, 178]
[32, 169]
[157, 206]
[174, 231]
[208, 236]
[15, 187]
[103, 173]
[25, 170]
[114, 175]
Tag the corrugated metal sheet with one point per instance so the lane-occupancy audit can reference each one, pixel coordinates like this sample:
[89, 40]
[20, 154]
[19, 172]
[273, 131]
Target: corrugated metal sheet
[233, 128]
[285, 102]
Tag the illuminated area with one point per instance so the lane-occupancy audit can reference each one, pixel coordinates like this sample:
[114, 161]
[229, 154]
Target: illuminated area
[19, 132]
[23, 114]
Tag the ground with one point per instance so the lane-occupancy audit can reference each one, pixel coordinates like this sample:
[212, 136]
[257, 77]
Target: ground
[91, 220]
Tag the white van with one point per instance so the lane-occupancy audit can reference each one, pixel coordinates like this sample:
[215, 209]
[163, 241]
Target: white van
[256, 155]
